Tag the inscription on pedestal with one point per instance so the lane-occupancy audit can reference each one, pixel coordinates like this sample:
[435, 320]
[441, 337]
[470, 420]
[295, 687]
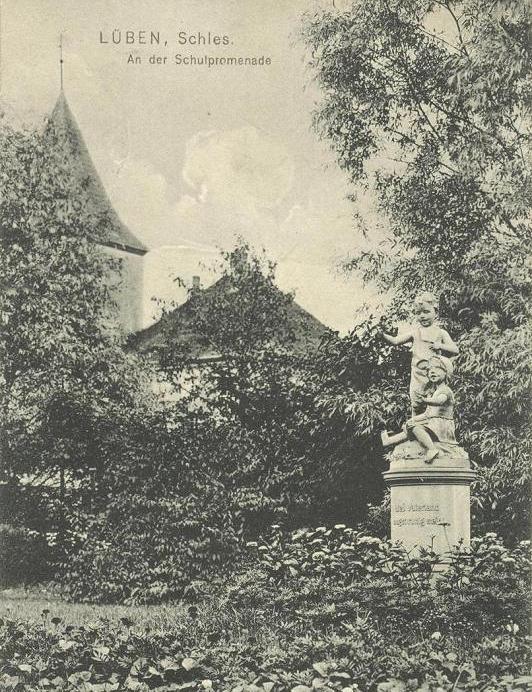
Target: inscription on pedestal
[415, 514]
[416, 508]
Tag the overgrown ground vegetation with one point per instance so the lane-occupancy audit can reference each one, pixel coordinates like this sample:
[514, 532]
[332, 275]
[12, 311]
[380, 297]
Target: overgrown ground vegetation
[327, 609]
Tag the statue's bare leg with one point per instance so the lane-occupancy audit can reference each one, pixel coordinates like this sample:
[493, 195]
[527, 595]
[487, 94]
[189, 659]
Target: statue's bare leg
[423, 437]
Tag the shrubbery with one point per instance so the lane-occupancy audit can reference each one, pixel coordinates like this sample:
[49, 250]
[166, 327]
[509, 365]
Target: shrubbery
[24, 556]
[329, 609]
[160, 519]
[152, 556]
[344, 572]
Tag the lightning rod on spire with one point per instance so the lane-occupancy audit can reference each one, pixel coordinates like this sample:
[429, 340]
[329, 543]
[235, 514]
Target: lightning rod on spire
[61, 58]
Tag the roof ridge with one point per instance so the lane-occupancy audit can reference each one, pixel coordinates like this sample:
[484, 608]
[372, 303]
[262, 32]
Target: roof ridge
[154, 335]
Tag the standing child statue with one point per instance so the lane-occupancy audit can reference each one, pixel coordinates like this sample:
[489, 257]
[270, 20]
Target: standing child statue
[427, 340]
[436, 423]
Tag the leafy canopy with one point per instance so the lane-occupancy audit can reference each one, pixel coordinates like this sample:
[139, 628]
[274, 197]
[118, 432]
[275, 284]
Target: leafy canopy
[61, 367]
[426, 103]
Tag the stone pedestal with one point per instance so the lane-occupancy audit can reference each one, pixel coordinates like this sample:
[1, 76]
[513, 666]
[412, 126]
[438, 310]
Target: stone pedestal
[430, 503]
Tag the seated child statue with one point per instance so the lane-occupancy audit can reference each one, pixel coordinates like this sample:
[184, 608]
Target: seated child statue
[436, 423]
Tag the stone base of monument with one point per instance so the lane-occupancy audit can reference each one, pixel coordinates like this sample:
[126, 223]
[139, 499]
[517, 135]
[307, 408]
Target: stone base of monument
[430, 503]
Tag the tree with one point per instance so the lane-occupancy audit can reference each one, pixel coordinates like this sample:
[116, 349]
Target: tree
[437, 92]
[247, 364]
[208, 466]
[62, 371]
[240, 441]
[279, 456]
[251, 393]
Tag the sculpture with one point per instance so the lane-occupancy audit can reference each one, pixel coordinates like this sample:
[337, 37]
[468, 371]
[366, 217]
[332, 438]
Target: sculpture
[430, 473]
[436, 423]
[428, 340]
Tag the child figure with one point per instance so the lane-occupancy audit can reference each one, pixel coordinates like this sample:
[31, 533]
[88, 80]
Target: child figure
[436, 423]
[427, 340]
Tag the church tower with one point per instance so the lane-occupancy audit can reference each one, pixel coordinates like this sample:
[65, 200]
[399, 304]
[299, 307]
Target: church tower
[120, 242]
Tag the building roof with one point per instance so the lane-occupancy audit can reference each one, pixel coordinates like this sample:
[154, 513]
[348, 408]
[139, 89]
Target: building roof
[178, 324]
[67, 130]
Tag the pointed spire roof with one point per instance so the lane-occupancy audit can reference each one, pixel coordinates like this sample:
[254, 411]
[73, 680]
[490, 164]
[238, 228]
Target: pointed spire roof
[82, 167]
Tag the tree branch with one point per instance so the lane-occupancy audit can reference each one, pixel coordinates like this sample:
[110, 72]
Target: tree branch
[447, 6]
[392, 67]
[469, 122]
[439, 38]
[414, 97]
[503, 216]
[410, 140]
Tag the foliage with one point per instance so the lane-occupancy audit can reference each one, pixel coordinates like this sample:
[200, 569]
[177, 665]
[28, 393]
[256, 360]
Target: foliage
[319, 629]
[283, 458]
[486, 583]
[437, 92]
[24, 556]
[237, 442]
[28, 505]
[61, 369]
[226, 451]
[378, 521]
[161, 516]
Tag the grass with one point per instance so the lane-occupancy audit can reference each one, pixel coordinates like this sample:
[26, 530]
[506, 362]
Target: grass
[29, 604]
[237, 624]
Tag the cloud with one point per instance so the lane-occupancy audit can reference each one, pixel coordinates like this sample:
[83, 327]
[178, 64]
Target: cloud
[187, 205]
[240, 168]
[238, 182]
[241, 183]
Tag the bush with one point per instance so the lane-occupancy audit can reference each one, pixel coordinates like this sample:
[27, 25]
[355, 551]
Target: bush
[24, 556]
[159, 517]
[330, 575]
[26, 505]
[377, 523]
[153, 554]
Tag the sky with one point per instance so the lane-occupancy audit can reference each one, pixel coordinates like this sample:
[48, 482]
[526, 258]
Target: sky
[193, 156]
